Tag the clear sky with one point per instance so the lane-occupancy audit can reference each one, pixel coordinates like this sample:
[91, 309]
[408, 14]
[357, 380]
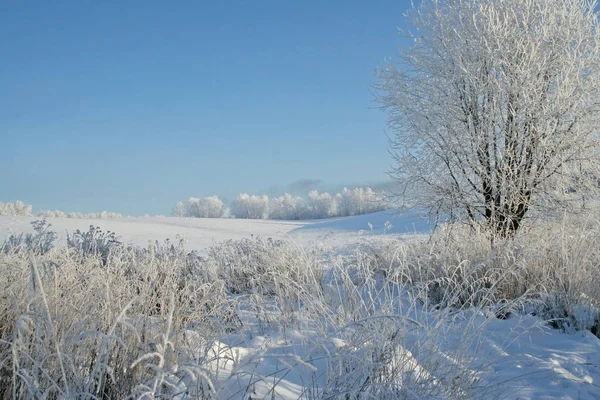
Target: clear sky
[131, 106]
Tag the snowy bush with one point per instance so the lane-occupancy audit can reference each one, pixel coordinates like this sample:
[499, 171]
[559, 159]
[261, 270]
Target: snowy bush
[179, 210]
[550, 269]
[321, 205]
[109, 215]
[358, 201]
[14, 209]
[93, 243]
[250, 207]
[206, 207]
[78, 215]
[39, 242]
[264, 266]
[51, 214]
[287, 207]
[66, 337]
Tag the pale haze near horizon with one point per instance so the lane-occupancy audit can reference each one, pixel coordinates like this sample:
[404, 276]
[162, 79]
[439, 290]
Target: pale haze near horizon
[133, 106]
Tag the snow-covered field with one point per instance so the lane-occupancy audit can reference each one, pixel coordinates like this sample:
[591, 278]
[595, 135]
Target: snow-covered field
[521, 357]
[201, 233]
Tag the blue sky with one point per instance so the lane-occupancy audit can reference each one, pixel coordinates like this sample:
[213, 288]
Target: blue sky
[131, 106]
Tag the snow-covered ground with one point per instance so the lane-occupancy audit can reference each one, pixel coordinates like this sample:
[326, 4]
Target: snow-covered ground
[201, 233]
[519, 358]
[523, 357]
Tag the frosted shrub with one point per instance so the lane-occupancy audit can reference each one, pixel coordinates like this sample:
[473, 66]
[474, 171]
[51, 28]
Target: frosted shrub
[51, 214]
[108, 215]
[287, 207]
[321, 205]
[15, 209]
[358, 201]
[93, 243]
[550, 268]
[206, 207]
[264, 266]
[39, 242]
[78, 215]
[250, 207]
[179, 210]
[72, 327]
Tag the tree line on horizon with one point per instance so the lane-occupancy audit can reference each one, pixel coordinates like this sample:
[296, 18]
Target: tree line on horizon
[317, 205]
[19, 208]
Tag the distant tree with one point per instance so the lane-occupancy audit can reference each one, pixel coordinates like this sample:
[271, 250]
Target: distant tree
[373, 202]
[343, 203]
[494, 108]
[179, 210]
[51, 214]
[358, 201]
[207, 207]
[321, 205]
[14, 209]
[108, 215]
[287, 207]
[250, 207]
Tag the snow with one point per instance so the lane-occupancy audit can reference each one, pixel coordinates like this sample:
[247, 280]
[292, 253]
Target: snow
[201, 233]
[380, 222]
[527, 360]
[517, 358]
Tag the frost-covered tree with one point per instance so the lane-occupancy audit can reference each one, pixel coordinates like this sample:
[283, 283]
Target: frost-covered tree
[372, 201]
[108, 215]
[343, 202]
[206, 207]
[250, 207]
[321, 205]
[16, 208]
[287, 207]
[358, 201]
[494, 108]
[51, 214]
[179, 210]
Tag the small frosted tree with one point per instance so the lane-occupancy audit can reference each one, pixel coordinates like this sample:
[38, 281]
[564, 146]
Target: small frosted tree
[287, 207]
[494, 108]
[207, 207]
[179, 210]
[343, 203]
[16, 208]
[373, 202]
[321, 205]
[358, 201]
[51, 214]
[250, 207]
